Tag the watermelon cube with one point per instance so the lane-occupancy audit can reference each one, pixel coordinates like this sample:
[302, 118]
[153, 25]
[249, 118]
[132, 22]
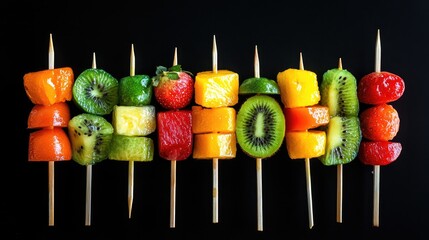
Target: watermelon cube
[175, 140]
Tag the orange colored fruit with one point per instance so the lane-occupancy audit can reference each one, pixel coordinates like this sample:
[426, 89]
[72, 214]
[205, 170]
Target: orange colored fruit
[298, 88]
[218, 89]
[49, 86]
[49, 145]
[379, 123]
[304, 118]
[215, 145]
[205, 120]
[305, 144]
[44, 116]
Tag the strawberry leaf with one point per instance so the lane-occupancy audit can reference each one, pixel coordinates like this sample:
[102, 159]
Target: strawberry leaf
[175, 68]
[172, 75]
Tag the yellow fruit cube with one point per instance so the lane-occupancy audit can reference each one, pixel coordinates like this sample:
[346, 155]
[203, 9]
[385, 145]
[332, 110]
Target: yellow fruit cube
[215, 145]
[216, 89]
[305, 144]
[298, 88]
[213, 120]
[134, 121]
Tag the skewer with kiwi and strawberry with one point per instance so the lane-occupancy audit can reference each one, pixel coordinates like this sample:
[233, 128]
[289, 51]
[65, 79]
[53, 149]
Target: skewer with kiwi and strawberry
[379, 122]
[95, 93]
[214, 119]
[260, 126]
[338, 91]
[133, 120]
[299, 91]
[174, 90]
[49, 90]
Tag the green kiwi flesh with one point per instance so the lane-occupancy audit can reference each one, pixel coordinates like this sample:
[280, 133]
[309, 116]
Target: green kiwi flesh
[95, 91]
[90, 137]
[259, 86]
[131, 148]
[260, 126]
[343, 137]
[339, 92]
[135, 90]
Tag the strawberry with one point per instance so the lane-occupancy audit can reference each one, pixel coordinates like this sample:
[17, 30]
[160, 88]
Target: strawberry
[379, 152]
[380, 87]
[173, 87]
[379, 122]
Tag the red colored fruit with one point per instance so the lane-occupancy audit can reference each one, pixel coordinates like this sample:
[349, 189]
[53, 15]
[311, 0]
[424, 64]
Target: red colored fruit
[379, 123]
[379, 153]
[173, 88]
[175, 140]
[380, 87]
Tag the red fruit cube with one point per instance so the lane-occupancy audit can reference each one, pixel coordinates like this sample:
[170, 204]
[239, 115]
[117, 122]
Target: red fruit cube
[380, 87]
[175, 139]
[379, 123]
[379, 152]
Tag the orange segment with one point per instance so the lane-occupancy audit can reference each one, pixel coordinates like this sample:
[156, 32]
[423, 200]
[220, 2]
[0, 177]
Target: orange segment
[304, 118]
[214, 145]
[49, 145]
[298, 88]
[216, 89]
[305, 144]
[50, 86]
[205, 120]
[55, 115]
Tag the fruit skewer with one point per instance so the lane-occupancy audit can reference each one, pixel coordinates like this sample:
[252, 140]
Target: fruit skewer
[340, 177]
[131, 162]
[258, 160]
[173, 174]
[307, 172]
[215, 190]
[51, 164]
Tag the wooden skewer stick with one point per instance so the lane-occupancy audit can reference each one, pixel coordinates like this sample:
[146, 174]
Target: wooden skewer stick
[89, 174]
[173, 175]
[376, 212]
[131, 162]
[215, 160]
[258, 160]
[307, 171]
[340, 177]
[51, 164]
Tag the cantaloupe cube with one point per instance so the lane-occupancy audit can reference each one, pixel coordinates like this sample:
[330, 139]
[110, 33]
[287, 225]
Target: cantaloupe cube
[305, 144]
[213, 120]
[298, 88]
[215, 145]
[216, 89]
[134, 121]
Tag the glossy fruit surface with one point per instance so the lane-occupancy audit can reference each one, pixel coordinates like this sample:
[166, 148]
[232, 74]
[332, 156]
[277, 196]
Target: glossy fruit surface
[298, 88]
[259, 86]
[49, 86]
[380, 87]
[135, 90]
[205, 120]
[55, 115]
[131, 148]
[379, 122]
[49, 145]
[175, 139]
[305, 144]
[304, 118]
[173, 88]
[218, 89]
[134, 121]
[214, 145]
[379, 152]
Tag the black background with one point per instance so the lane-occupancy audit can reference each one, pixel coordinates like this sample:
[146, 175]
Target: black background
[322, 31]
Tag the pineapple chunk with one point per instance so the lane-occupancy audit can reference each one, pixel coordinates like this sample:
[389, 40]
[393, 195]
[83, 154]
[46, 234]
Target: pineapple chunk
[134, 121]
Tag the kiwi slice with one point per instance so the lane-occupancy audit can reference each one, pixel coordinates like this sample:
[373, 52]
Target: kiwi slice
[90, 137]
[95, 91]
[260, 126]
[135, 90]
[259, 86]
[339, 92]
[130, 148]
[343, 137]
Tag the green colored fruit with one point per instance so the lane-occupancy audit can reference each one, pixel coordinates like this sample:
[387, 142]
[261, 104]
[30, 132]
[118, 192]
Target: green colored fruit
[260, 126]
[90, 137]
[135, 90]
[343, 137]
[339, 93]
[95, 91]
[127, 148]
[259, 86]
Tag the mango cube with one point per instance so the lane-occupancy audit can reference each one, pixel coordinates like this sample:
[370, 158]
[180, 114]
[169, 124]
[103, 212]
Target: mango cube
[218, 89]
[305, 144]
[215, 120]
[215, 145]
